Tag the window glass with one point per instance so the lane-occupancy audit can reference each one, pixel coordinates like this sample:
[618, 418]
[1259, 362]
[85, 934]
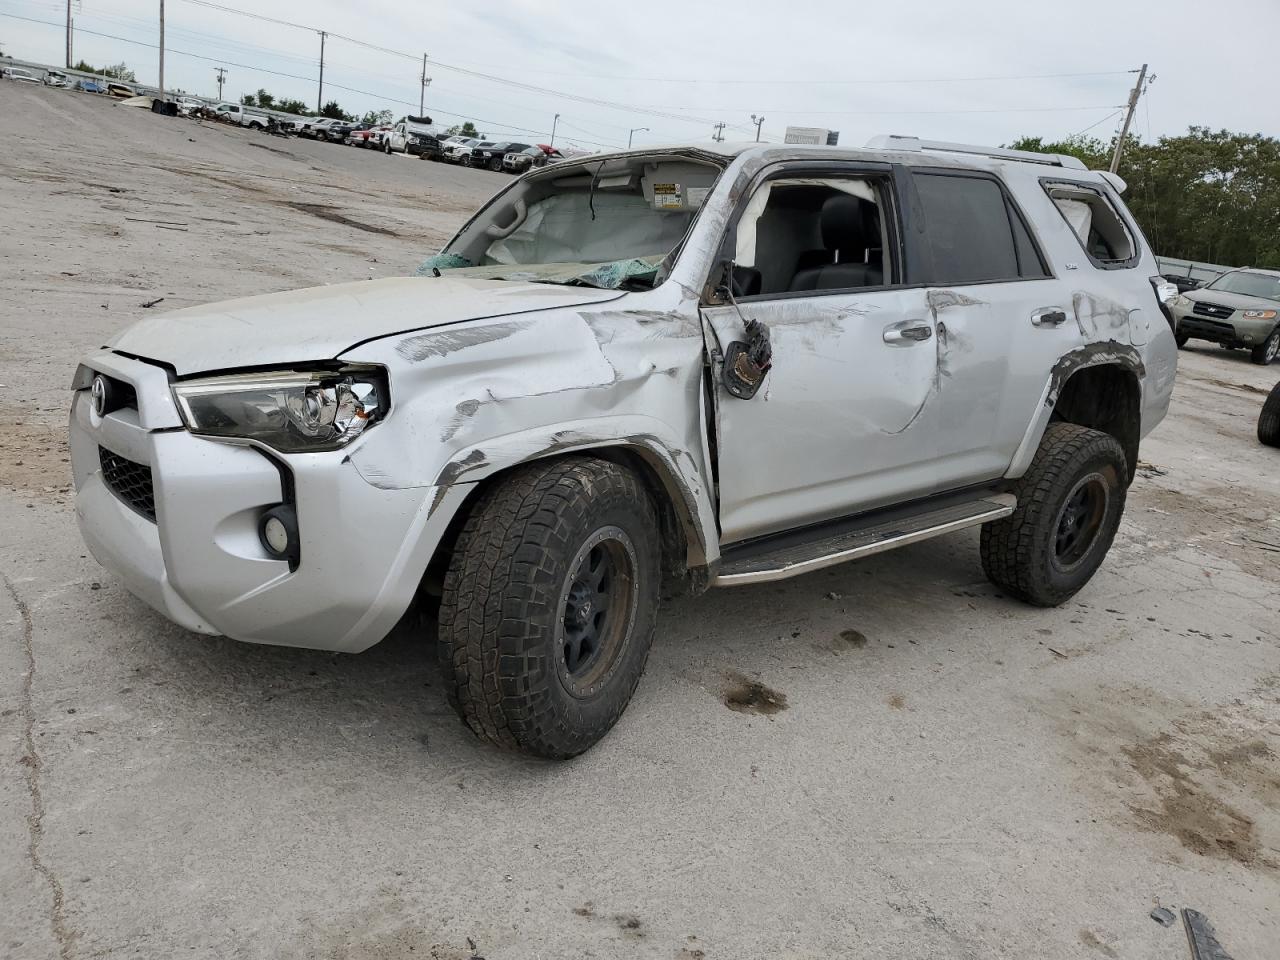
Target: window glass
[1095, 221]
[967, 228]
[1030, 264]
[802, 234]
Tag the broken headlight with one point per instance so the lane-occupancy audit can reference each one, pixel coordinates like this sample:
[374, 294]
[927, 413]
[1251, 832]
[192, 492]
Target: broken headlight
[291, 411]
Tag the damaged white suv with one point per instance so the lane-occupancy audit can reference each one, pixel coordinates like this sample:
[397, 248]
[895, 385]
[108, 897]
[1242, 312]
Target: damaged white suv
[636, 374]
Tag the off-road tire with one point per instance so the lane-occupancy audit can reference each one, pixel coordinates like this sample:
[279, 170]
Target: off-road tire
[1181, 339]
[1269, 419]
[504, 606]
[1019, 552]
[1266, 351]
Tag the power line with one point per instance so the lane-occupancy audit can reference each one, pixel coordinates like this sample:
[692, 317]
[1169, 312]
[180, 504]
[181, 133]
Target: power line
[1097, 123]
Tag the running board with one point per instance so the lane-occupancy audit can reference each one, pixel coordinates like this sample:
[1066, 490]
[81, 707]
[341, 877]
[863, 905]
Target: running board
[793, 560]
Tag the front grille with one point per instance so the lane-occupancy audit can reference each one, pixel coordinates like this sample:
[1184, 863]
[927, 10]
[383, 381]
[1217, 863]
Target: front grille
[1211, 310]
[129, 481]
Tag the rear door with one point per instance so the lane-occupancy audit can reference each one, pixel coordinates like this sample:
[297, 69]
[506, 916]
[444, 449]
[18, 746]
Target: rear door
[1001, 318]
[841, 422]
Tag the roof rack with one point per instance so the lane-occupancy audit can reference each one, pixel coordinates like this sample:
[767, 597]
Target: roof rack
[916, 145]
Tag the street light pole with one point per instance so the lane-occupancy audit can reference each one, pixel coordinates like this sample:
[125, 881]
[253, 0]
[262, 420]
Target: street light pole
[555, 121]
[759, 122]
[635, 131]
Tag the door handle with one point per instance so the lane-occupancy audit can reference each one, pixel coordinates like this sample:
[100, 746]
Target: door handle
[1048, 317]
[907, 332]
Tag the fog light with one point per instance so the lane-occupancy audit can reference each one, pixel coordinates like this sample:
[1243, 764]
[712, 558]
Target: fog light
[1248, 337]
[278, 531]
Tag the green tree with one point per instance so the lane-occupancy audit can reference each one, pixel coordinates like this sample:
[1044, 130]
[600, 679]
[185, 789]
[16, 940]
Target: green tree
[333, 110]
[293, 106]
[467, 129]
[248, 100]
[376, 117]
[120, 71]
[1205, 195]
[266, 100]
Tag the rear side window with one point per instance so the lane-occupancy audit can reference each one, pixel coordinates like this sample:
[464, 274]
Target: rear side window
[1096, 222]
[974, 233]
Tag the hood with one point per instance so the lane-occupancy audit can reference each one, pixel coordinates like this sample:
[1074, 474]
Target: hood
[1236, 301]
[320, 323]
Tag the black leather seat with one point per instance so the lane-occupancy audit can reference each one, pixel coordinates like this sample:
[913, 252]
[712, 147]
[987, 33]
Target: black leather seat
[851, 238]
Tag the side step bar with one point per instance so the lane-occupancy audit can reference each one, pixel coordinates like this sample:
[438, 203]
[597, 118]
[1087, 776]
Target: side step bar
[792, 560]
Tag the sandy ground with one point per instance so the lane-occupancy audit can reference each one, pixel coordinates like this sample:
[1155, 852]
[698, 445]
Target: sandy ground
[951, 774]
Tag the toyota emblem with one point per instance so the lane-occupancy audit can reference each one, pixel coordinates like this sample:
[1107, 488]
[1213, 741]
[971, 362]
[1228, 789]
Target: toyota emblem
[99, 394]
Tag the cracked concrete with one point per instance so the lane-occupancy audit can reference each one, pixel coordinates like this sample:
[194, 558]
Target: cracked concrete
[31, 763]
[971, 778]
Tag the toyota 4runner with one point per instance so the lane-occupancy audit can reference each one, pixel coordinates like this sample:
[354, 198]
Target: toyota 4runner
[635, 375]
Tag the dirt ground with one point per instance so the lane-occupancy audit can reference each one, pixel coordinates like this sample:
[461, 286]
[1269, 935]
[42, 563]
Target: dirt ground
[885, 759]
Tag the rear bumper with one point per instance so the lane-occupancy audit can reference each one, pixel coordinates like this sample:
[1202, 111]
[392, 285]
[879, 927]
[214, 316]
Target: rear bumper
[200, 562]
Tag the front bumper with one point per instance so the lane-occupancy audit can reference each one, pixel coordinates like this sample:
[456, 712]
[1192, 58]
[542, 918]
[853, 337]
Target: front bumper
[1233, 330]
[364, 549]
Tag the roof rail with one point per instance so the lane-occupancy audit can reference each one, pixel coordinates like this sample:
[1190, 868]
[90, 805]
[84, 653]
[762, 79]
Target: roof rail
[916, 145]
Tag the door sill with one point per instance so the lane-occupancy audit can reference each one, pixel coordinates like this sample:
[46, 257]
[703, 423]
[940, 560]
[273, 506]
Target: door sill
[799, 552]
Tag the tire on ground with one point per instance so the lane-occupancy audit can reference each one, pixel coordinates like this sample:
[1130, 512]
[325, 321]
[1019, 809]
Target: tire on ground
[1269, 419]
[506, 606]
[1021, 553]
[1267, 350]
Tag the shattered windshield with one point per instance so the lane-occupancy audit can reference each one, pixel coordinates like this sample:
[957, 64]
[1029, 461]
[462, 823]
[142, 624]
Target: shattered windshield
[609, 224]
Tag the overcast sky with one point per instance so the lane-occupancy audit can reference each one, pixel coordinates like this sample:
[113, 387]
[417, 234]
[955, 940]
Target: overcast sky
[690, 64]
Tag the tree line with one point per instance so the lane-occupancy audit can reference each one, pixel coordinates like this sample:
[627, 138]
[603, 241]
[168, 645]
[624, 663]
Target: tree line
[1206, 195]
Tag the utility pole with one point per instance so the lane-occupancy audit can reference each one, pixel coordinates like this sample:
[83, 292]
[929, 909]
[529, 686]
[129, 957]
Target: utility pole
[635, 131]
[759, 122]
[1128, 118]
[161, 49]
[222, 73]
[718, 136]
[320, 92]
[68, 34]
[422, 96]
[555, 120]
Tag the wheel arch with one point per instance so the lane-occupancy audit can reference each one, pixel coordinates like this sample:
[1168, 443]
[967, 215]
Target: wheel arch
[683, 538]
[1097, 386]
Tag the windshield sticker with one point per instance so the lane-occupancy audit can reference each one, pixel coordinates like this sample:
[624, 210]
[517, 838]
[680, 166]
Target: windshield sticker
[666, 196]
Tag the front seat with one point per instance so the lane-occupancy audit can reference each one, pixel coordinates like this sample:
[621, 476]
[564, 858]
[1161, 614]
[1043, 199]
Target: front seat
[850, 237]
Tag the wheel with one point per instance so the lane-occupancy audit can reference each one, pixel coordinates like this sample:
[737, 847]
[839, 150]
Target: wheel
[1269, 419]
[1069, 505]
[549, 606]
[1181, 339]
[496, 165]
[1266, 351]
[386, 147]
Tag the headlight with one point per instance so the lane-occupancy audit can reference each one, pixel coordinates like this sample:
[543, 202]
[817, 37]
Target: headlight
[292, 411]
[1259, 314]
[1181, 301]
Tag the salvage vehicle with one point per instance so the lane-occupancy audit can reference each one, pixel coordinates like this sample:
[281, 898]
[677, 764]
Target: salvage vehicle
[409, 136]
[539, 155]
[637, 374]
[242, 115]
[455, 151]
[20, 75]
[56, 78]
[89, 86]
[367, 137]
[120, 90]
[1241, 308]
[315, 128]
[490, 155]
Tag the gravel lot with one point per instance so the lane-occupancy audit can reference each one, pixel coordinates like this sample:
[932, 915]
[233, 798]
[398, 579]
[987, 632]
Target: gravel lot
[953, 774]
